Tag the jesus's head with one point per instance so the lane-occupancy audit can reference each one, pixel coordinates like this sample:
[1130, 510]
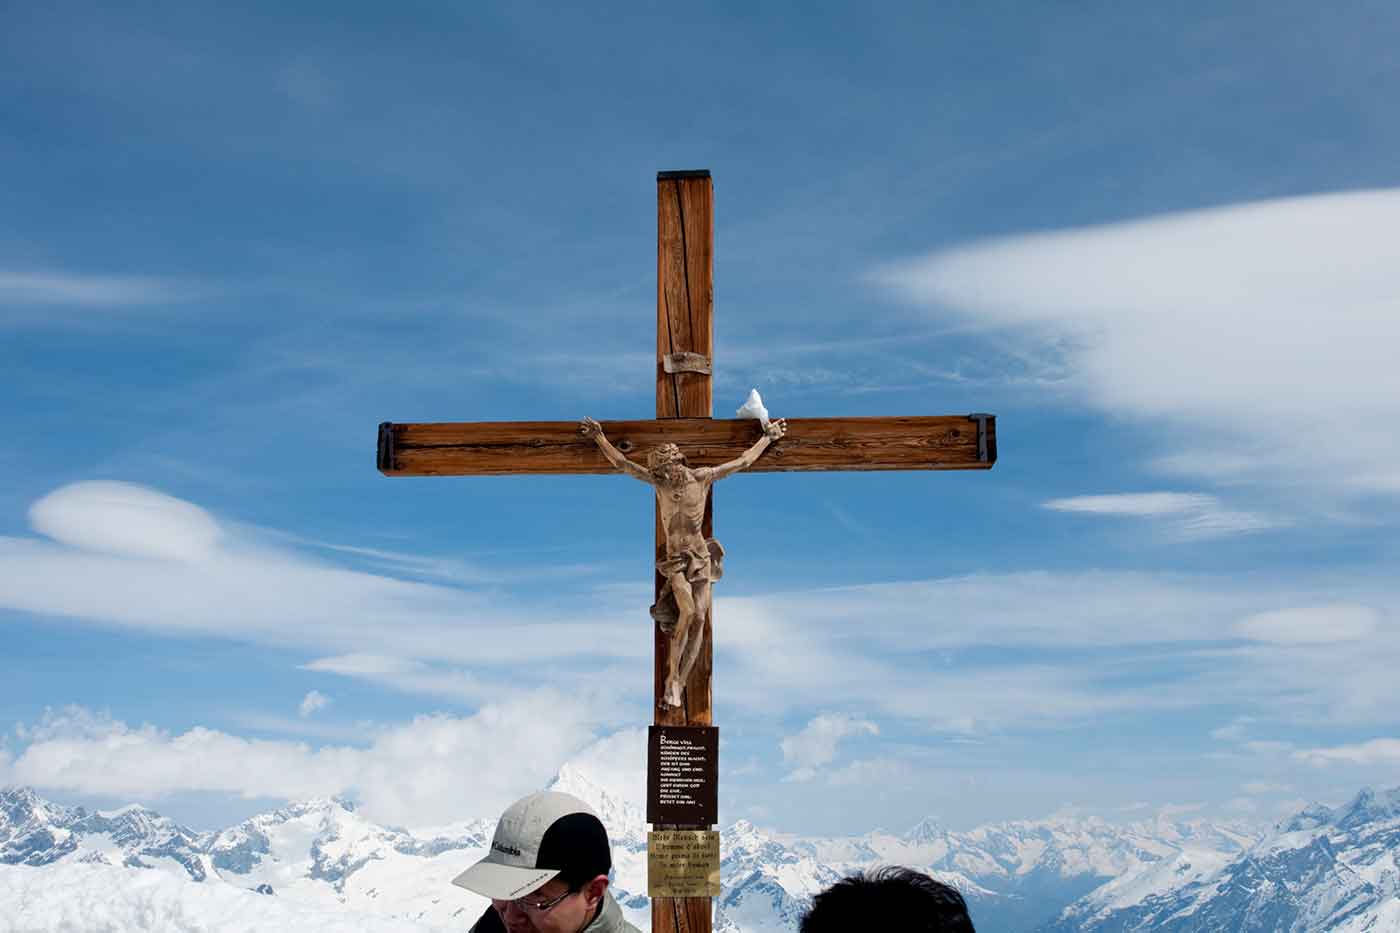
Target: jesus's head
[667, 462]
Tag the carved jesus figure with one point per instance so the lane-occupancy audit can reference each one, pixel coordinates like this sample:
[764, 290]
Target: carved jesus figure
[692, 562]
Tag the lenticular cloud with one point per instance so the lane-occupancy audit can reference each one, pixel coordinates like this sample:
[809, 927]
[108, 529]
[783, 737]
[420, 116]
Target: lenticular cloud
[127, 520]
[1265, 324]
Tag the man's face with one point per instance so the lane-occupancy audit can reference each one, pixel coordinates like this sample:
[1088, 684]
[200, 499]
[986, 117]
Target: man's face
[567, 916]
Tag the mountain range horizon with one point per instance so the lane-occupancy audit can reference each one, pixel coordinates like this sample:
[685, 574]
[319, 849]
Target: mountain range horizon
[1061, 874]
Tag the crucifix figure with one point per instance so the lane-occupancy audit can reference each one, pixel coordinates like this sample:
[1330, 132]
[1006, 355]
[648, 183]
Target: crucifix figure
[684, 363]
[691, 562]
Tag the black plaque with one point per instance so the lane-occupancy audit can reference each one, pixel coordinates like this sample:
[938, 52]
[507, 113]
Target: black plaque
[683, 775]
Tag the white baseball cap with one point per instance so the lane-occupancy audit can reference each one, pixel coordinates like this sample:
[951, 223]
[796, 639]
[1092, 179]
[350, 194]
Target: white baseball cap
[538, 838]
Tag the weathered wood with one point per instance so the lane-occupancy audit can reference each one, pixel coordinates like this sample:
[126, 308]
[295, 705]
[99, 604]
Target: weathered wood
[697, 234]
[497, 448]
[684, 324]
[684, 289]
[680, 915]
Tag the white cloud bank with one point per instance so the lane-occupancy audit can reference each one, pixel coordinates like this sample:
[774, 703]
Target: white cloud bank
[1263, 335]
[435, 769]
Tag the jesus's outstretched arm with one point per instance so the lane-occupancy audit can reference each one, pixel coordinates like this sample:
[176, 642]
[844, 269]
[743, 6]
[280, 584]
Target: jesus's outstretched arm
[775, 430]
[590, 428]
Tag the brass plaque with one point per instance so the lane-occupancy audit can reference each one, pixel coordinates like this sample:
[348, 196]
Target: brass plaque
[683, 863]
[683, 775]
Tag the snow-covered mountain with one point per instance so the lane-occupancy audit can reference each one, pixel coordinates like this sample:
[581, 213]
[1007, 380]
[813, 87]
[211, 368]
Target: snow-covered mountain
[35, 832]
[1323, 870]
[323, 859]
[1015, 875]
[320, 854]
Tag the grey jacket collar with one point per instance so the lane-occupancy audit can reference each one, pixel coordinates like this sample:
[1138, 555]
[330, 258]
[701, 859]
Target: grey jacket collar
[610, 919]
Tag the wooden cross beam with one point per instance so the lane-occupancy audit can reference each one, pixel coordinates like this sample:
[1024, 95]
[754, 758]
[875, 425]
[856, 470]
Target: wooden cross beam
[684, 366]
[501, 448]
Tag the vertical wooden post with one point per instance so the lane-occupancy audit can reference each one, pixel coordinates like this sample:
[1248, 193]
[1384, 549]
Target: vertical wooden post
[684, 324]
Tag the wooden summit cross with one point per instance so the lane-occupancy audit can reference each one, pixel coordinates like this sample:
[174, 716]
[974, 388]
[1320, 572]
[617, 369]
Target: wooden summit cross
[684, 363]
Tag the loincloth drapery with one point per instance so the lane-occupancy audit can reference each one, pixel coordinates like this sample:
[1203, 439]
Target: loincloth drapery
[698, 566]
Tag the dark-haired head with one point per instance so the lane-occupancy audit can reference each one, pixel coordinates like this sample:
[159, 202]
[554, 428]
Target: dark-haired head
[888, 899]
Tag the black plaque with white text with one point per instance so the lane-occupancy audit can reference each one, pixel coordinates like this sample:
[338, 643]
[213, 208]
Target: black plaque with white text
[683, 775]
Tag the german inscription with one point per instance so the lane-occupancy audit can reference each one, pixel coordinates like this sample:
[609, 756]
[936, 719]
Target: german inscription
[683, 775]
[683, 863]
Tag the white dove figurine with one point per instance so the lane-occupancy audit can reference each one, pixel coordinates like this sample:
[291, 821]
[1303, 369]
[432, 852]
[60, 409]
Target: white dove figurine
[753, 408]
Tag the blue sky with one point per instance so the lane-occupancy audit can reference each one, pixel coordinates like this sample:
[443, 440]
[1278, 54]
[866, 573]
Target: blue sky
[1158, 244]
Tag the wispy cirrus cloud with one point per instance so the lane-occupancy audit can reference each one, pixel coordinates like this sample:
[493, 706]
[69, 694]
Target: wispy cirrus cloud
[75, 289]
[1372, 752]
[1186, 516]
[976, 654]
[1086, 644]
[1240, 331]
[1311, 625]
[411, 675]
[1139, 504]
[126, 541]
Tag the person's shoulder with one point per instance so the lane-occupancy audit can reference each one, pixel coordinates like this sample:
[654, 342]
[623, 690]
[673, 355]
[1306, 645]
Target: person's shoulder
[610, 919]
[626, 926]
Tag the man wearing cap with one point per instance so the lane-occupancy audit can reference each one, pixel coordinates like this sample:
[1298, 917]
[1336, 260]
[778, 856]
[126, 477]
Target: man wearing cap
[547, 871]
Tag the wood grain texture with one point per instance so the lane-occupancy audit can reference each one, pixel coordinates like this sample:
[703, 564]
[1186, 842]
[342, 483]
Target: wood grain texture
[697, 237]
[684, 291]
[684, 324]
[670, 295]
[680, 915]
[501, 448]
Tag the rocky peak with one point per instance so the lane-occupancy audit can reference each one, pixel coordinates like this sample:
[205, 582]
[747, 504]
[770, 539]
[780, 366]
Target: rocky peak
[21, 807]
[625, 821]
[925, 831]
[1368, 806]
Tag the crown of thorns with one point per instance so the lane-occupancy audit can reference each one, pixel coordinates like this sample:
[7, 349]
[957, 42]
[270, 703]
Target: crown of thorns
[664, 454]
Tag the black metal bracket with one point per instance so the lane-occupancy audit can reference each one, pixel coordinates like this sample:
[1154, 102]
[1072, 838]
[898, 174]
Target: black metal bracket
[685, 173]
[983, 451]
[385, 455]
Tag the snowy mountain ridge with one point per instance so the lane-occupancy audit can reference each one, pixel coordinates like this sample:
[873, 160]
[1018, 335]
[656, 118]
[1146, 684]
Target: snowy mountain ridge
[1324, 870]
[1061, 874]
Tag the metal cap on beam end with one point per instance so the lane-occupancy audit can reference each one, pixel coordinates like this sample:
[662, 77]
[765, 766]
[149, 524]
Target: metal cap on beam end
[685, 173]
[985, 452]
[385, 457]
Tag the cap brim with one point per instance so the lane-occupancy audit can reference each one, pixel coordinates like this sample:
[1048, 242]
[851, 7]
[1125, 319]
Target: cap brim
[502, 882]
